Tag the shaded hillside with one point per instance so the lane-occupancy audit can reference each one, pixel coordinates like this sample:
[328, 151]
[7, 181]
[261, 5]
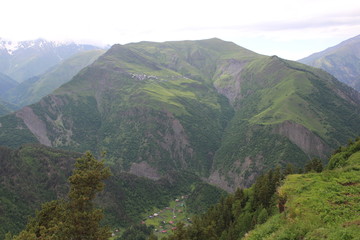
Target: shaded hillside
[33, 89]
[6, 83]
[29, 176]
[34, 174]
[342, 61]
[209, 107]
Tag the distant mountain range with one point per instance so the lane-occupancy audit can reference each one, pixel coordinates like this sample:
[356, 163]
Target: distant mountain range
[33, 89]
[342, 61]
[27, 59]
[38, 67]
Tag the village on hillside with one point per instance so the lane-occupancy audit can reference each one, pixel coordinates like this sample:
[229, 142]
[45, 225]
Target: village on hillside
[165, 220]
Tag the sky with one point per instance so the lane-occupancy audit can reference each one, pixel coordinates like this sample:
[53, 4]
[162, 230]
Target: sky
[286, 28]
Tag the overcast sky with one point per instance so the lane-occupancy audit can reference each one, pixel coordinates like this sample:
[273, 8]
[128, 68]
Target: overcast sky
[287, 28]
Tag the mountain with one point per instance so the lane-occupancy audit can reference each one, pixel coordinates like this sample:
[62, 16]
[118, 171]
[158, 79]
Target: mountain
[6, 83]
[26, 59]
[33, 89]
[342, 61]
[208, 107]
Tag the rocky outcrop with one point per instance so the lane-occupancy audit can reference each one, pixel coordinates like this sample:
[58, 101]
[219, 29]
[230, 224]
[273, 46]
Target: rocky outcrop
[175, 140]
[228, 81]
[307, 141]
[34, 124]
[143, 169]
[242, 174]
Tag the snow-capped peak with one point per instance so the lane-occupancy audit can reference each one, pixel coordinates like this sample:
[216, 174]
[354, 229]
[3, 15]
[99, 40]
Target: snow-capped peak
[12, 46]
[9, 46]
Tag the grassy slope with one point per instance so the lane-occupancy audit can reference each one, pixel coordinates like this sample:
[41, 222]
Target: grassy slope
[294, 92]
[319, 205]
[274, 91]
[32, 90]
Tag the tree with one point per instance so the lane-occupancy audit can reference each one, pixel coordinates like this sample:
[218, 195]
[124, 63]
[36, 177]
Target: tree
[75, 218]
[289, 169]
[314, 165]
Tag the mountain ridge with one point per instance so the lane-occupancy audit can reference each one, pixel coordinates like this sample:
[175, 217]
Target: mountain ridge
[209, 106]
[341, 60]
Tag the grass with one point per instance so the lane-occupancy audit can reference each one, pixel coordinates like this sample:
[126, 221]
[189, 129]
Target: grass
[282, 98]
[318, 206]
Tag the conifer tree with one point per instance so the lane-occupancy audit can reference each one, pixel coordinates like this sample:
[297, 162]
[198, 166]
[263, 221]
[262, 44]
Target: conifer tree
[75, 218]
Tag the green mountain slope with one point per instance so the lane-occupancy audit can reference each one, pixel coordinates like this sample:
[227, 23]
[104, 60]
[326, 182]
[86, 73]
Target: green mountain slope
[319, 205]
[288, 112]
[209, 107]
[33, 89]
[342, 61]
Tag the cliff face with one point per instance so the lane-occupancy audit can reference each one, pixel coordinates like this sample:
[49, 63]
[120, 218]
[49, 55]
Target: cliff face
[307, 141]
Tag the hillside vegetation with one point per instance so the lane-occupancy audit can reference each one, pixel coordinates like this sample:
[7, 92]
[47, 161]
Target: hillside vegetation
[319, 205]
[208, 107]
[35, 174]
[311, 205]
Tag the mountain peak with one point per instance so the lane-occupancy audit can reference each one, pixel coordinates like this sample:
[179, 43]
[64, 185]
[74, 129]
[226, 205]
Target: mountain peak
[341, 60]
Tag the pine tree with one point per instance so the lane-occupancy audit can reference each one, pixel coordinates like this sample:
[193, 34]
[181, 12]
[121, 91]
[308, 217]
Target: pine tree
[75, 218]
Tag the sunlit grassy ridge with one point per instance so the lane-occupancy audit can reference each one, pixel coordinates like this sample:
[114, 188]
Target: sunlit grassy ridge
[319, 205]
[274, 91]
[284, 88]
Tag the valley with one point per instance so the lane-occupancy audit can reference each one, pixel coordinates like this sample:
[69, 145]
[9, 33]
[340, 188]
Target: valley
[200, 119]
